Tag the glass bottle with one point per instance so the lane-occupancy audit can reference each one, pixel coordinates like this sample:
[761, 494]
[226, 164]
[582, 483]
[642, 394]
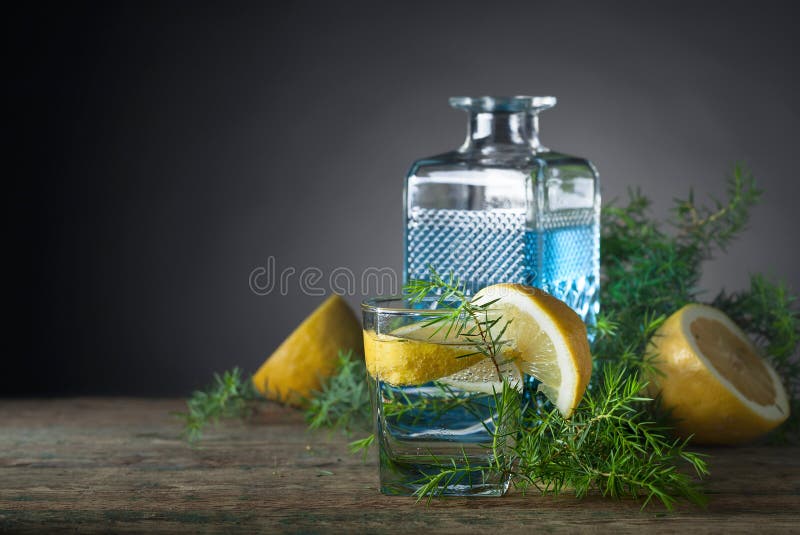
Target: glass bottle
[504, 208]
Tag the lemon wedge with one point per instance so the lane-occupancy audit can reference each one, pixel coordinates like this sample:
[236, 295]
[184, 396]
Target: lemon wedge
[547, 338]
[310, 353]
[720, 390]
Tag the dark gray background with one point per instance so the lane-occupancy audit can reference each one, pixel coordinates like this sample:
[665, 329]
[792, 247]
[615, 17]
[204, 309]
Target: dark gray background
[160, 152]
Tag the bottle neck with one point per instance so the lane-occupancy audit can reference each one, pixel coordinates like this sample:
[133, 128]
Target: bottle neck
[502, 130]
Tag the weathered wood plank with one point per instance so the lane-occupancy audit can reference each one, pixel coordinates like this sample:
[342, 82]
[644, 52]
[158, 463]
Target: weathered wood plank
[100, 464]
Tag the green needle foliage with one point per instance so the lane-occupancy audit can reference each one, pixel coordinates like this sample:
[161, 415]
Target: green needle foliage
[610, 444]
[343, 401]
[362, 445]
[229, 396]
[648, 273]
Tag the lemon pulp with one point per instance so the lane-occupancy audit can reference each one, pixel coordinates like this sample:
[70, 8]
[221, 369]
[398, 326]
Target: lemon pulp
[711, 377]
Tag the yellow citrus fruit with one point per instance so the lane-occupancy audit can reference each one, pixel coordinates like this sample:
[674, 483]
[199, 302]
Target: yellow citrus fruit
[310, 353]
[415, 354]
[418, 353]
[718, 387]
[545, 337]
[483, 377]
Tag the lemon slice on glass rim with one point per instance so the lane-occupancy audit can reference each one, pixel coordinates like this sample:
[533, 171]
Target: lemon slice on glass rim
[547, 339]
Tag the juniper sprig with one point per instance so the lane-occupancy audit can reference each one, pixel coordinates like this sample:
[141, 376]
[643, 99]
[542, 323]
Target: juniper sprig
[610, 444]
[230, 395]
[649, 273]
[343, 400]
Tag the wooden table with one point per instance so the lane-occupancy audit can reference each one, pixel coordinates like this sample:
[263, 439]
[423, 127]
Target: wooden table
[99, 464]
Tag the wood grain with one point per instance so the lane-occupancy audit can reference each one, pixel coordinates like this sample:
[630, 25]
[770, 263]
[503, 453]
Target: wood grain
[91, 465]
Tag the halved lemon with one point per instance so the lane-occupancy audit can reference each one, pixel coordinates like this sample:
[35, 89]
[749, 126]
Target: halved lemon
[720, 390]
[545, 339]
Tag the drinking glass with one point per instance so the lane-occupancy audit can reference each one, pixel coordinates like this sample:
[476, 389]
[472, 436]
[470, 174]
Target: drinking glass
[435, 402]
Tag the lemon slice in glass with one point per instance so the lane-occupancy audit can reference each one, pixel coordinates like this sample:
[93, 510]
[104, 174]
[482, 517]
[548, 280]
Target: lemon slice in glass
[417, 353]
